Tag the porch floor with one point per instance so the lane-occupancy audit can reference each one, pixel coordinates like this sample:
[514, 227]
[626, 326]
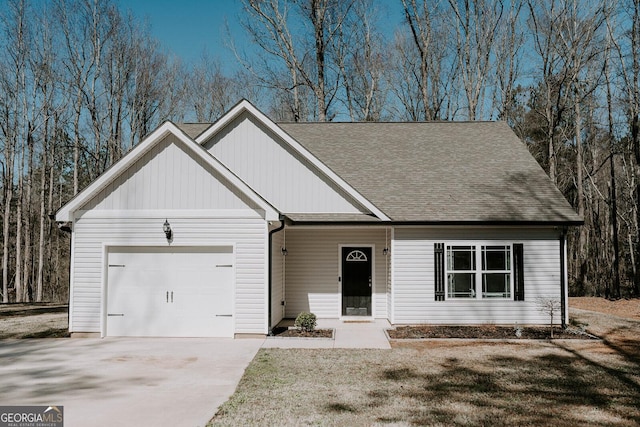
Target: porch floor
[349, 334]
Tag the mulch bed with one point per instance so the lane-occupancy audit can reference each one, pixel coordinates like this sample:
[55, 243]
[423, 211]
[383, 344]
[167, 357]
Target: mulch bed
[483, 332]
[297, 333]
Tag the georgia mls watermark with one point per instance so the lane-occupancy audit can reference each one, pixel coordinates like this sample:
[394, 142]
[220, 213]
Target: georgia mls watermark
[31, 416]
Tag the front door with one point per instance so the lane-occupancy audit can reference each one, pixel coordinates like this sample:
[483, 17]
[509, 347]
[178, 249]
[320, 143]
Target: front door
[356, 281]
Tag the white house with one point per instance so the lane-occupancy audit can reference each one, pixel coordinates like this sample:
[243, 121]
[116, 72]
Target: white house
[227, 228]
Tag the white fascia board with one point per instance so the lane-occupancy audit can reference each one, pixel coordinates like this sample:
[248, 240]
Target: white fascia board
[245, 105]
[67, 212]
[172, 213]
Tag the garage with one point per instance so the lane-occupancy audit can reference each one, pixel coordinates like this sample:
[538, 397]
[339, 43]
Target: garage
[170, 291]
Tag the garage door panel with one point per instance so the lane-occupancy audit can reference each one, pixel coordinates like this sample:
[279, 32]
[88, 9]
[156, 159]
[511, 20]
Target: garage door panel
[170, 292]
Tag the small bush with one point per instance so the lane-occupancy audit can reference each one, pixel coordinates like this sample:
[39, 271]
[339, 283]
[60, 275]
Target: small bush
[551, 307]
[518, 330]
[306, 321]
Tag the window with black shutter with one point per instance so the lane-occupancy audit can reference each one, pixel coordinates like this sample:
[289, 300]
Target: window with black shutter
[478, 270]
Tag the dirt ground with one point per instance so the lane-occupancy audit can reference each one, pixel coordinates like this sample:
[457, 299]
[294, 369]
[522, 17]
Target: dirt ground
[33, 321]
[629, 308]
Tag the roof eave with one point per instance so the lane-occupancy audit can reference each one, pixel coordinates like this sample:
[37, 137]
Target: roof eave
[510, 223]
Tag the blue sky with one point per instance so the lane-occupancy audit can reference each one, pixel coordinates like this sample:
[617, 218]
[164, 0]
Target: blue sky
[188, 28]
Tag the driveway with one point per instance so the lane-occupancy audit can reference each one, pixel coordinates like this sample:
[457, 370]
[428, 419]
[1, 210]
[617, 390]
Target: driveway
[125, 381]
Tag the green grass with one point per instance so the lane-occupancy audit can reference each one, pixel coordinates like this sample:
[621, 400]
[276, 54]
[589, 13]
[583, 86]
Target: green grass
[447, 384]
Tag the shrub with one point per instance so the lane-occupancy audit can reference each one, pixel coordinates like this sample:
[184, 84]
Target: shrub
[551, 307]
[306, 321]
[518, 330]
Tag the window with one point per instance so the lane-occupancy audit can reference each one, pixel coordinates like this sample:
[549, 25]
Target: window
[461, 271]
[477, 271]
[496, 272]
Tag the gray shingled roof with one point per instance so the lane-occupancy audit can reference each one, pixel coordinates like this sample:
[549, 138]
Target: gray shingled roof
[331, 217]
[438, 171]
[193, 130]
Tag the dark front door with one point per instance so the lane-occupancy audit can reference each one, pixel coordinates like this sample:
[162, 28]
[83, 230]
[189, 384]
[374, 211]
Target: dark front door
[356, 281]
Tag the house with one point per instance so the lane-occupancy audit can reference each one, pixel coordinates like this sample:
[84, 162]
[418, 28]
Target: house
[225, 229]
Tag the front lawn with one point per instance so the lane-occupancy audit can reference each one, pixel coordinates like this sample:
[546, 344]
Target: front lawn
[456, 384]
[444, 383]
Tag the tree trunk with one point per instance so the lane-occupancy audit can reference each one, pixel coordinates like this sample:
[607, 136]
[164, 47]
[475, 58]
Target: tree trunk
[27, 292]
[18, 273]
[318, 14]
[6, 218]
[43, 212]
[635, 129]
[581, 258]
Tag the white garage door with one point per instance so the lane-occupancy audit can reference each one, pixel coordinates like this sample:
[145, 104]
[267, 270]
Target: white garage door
[170, 292]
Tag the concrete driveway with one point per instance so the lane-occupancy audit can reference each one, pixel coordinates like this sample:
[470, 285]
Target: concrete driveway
[125, 381]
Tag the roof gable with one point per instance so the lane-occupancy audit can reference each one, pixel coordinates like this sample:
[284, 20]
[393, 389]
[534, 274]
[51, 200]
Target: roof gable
[438, 171]
[66, 212]
[169, 176]
[244, 111]
[277, 172]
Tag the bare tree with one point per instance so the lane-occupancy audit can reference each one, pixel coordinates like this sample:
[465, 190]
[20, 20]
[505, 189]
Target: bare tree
[580, 46]
[613, 194]
[508, 52]
[544, 20]
[308, 57]
[211, 92]
[628, 53]
[363, 63]
[476, 24]
[425, 20]
[14, 128]
[551, 307]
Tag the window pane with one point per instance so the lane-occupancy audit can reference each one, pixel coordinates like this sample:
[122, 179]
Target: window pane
[496, 258]
[461, 285]
[461, 258]
[496, 285]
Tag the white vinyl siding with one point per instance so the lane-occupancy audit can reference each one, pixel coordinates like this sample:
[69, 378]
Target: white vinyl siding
[414, 287]
[277, 277]
[275, 171]
[312, 268]
[168, 177]
[248, 236]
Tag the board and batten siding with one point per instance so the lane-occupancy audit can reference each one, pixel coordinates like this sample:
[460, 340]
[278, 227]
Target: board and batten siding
[414, 288]
[247, 235]
[168, 177]
[312, 268]
[277, 277]
[275, 171]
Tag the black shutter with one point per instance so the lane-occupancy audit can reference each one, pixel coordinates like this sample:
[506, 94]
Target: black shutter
[438, 261]
[518, 272]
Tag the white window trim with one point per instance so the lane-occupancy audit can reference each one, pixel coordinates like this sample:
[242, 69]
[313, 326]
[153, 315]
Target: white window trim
[478, 244]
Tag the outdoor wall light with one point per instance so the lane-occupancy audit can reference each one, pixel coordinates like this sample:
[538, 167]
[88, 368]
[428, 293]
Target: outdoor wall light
[284, 251]
[385, 251]
[166, 227]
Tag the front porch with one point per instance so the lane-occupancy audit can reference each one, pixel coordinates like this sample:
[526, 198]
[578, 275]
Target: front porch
[334, 272]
